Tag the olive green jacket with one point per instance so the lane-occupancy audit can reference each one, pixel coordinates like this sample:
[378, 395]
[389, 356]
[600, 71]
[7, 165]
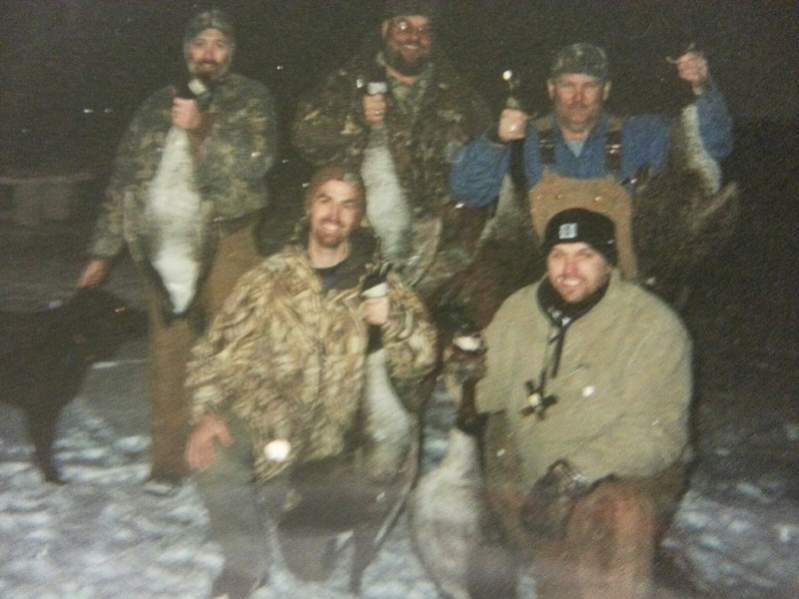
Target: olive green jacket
[623, 388]
[235, 155]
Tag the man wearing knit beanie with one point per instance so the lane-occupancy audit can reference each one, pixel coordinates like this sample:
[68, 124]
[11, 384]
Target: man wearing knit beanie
[580, 247]
[587, 391]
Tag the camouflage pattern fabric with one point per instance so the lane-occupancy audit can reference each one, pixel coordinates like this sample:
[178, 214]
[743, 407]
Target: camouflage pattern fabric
[624, 382]
[235, 157]
[329, 127]
[288, 358]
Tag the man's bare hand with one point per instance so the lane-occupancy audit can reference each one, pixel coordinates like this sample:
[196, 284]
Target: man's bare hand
[512, 125]
[692, 67]
[374, 109]
[94, 273]
[200, 449]
[375, 311]
[186, 114]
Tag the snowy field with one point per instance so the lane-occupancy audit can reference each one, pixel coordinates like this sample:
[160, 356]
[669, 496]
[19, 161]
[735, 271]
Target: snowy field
[103, 535]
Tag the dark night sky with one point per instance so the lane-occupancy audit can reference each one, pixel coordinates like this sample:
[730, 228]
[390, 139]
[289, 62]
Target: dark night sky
[59, 56]
[64, 62]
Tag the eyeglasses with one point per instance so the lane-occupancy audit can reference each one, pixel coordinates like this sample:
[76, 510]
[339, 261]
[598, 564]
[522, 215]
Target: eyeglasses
[406, 28]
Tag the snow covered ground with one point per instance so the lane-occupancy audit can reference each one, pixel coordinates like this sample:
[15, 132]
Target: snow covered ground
[102, 535]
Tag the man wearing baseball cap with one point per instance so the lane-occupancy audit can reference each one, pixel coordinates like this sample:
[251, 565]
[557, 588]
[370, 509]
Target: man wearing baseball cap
[580, 155]
[587, 389]
[579, 139]
[187, 191]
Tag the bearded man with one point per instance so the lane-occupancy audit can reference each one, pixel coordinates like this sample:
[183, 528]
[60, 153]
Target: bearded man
[397, 112]
[187, 189]
[281, 391]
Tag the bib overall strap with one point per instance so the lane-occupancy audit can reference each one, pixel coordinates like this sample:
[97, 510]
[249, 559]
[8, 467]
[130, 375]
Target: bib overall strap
[613, 149]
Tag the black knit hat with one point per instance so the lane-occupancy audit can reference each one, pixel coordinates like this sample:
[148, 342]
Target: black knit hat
[578, 225]
[407, 8]
[580, 58]
[210, 19]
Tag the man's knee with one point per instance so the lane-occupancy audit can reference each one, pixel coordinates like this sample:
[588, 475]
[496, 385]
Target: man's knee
[233, 466]
[619, 509]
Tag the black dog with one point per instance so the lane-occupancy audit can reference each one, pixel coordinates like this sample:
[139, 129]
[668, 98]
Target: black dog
[44, 357]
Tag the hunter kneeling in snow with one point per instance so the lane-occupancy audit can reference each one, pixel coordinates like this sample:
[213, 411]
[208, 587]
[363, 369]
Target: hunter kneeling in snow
[587, 390]
[284, 416]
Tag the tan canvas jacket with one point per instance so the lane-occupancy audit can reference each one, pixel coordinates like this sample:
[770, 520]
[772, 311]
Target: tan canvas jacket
[623, 389]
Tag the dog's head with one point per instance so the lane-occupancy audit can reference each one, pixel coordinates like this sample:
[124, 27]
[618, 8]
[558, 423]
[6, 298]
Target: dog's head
[100, 321]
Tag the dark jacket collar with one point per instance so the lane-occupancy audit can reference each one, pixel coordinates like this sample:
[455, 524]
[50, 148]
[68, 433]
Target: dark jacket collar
[362, 258]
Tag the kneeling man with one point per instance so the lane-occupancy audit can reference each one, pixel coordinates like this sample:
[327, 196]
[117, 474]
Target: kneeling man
[587, 388]
[278, 382]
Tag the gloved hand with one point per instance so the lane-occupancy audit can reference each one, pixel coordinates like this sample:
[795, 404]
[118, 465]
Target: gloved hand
[552, 498]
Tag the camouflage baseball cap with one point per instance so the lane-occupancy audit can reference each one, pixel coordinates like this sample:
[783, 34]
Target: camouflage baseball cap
[407, 8]
[580, 58]
[210, 19]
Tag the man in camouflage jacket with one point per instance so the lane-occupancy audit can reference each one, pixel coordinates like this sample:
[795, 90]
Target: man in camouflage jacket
[278, 381]
[428, 113]
[232, 139]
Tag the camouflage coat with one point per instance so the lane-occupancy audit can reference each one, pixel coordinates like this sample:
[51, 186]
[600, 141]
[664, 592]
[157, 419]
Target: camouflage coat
[329, 127]
[288, 358]
[235, 156]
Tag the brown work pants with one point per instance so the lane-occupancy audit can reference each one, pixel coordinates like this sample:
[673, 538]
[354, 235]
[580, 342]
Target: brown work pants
[171, 343]
[608, 548]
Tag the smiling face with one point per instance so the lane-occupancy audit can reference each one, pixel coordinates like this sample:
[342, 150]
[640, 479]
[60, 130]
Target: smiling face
[576, 271]
[208, 54]
[334, 211]
[407, 43]
[577, 100]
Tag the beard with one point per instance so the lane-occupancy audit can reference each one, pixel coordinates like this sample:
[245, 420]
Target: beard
[329, 239]
[209, 70]
[397, 61]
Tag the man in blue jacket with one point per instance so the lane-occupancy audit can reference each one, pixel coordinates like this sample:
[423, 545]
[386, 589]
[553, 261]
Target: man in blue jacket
[579, 156]
[579, 139]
